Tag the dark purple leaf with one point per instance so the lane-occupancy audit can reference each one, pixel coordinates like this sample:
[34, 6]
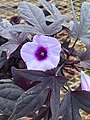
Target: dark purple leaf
[83, 98]
[37, 22]
[45, 111]
[81, 30]
[3, 25]
[4, 117]
[85, 59]
[3, 40]
[52, 10]
[75, 31]
[27, 78]
[48, 80]
[2, 61]
[9, 94]
[30, 101]
[28, 11]
[69, 108]
[72, 102]
[14, 38]
[55, 100]
[14, 41]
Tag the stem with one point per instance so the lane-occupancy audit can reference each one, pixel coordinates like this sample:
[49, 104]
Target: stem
[73, 46]
[56, 74]
[68, 86]
[65, 88]
[67, 58]
[76, 67]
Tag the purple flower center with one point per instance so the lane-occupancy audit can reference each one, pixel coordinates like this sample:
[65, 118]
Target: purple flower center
[41, 53]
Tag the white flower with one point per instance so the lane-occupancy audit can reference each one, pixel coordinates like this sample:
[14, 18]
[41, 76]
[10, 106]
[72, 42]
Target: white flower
[41, 54]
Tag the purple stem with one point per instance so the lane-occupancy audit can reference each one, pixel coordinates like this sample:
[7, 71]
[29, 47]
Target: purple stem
[67, 58]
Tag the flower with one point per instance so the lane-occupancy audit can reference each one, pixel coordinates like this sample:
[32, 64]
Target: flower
[41, 54]
[85, 81]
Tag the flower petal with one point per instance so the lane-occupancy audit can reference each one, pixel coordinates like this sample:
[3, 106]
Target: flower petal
[55, 50]
[32, 65]
[36, 65]
[27, 51]
[54, 60]
[85, 81]
[46, 65]
[46, 41]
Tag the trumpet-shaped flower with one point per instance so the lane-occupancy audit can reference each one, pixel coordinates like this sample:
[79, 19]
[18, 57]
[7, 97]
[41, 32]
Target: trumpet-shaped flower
[41, 54]
[85, 81]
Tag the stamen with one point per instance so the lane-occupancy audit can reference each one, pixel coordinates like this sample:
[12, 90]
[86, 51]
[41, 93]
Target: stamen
[41, 53]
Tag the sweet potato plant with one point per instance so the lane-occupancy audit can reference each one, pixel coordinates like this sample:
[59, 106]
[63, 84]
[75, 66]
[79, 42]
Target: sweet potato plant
[35, 65]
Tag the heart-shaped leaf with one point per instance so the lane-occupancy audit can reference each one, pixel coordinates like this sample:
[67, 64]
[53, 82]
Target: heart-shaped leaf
[9, 94]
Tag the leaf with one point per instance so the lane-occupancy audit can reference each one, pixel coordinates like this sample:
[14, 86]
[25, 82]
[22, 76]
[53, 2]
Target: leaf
[36, 22]
[50, 7]
[13, 43]
[55, 27]
[48, 80]
[30, 101]
[81, 31]
[4, 117]
[85, 59]
[72, 102]
[21, 28]
[3, 81]
[3, 25]
[76, 25]
[28, 11]
[55, 101]
[9, 48]
[83, 97]
[2, 61]
[49, 18]
[69, 109]
[85, 23]
[45, 111]
[26, 78]
[9, 94]
[14, 38]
